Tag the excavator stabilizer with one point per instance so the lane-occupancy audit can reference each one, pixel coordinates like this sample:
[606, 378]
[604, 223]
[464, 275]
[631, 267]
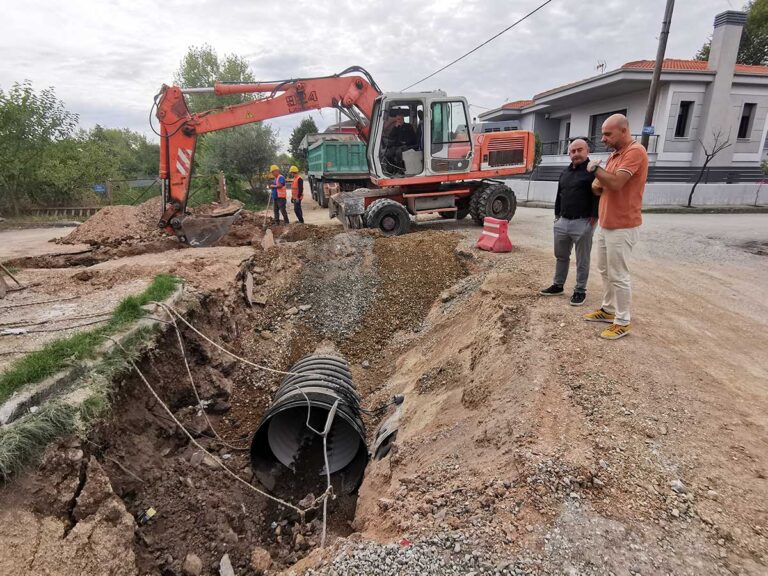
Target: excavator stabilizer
[348, 208]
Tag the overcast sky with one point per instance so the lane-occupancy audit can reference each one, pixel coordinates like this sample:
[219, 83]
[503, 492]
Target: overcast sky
[107, 58]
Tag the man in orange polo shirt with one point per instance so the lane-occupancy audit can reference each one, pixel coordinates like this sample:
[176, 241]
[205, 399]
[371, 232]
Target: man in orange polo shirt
[620, 186]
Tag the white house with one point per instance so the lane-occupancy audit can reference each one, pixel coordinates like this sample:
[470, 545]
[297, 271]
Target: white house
[695, 100]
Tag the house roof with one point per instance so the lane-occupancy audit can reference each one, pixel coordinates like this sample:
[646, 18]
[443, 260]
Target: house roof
[673, 64]
[669, 65]
[517, 104]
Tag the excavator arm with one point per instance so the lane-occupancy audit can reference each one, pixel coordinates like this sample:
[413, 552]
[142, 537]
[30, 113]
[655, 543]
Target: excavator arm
[353, 95]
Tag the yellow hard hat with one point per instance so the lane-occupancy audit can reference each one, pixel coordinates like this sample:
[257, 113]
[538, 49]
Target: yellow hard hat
[274, 167]
[293, 169]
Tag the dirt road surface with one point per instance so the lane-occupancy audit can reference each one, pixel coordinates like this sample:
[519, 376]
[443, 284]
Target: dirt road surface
[527, 445]
[34, 242]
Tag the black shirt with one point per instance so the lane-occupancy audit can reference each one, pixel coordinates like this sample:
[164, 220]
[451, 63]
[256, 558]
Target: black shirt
[574, 193]
[403, 135]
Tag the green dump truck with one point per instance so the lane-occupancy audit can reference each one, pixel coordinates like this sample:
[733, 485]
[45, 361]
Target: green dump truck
[337, 163]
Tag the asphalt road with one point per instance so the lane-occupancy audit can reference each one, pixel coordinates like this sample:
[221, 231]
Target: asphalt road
[694, 238]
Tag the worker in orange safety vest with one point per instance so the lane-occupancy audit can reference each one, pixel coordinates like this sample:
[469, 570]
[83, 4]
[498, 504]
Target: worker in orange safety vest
[279, 194]
[297, 193]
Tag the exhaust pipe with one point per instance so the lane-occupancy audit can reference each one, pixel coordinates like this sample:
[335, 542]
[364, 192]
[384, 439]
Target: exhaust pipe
[285, 443]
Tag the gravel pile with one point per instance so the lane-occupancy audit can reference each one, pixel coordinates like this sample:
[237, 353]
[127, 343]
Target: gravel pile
[443, 555]
[413, 270]
[339, 280]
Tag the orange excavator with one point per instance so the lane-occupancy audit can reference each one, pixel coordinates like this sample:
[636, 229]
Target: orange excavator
[421, 152]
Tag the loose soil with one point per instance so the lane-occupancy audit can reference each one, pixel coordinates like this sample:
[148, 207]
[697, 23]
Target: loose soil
[115, 224]
[522, 435]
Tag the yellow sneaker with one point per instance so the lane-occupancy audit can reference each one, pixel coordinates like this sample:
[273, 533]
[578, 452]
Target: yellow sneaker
[615, 331]
[599, 315]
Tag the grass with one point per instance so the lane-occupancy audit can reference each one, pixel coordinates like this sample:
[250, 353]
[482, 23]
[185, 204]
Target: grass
[31, 433]
[58, 354]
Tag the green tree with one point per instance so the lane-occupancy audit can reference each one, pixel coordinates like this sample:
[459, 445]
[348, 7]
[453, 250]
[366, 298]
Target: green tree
[285, 161]
[30, 123]
[243, 153]
[71, 166]
[135, 156]
[753, 48]
[307, 126]
[201, 66]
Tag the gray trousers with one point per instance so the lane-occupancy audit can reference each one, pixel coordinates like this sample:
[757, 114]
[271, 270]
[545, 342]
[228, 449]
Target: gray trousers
[568, 233]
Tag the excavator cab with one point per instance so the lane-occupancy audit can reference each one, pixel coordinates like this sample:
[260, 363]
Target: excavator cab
[419, 134]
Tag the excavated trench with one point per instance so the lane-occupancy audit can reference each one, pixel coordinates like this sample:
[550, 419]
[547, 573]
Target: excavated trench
[348, 294]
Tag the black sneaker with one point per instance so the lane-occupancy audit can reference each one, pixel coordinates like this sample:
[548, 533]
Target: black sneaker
[578, 298]
[553, 290]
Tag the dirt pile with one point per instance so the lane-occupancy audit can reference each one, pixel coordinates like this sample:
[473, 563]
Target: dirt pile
[133, 229]
[115, 224]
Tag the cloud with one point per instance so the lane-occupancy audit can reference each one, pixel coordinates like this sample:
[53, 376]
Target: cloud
[107, 59]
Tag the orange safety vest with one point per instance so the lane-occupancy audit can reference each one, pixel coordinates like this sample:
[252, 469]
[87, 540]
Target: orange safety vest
[279, 187]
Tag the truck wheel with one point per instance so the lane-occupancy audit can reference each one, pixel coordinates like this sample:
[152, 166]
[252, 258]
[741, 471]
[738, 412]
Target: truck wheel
[321, 195]
[388, 216]
[313, 188]
[494, 200]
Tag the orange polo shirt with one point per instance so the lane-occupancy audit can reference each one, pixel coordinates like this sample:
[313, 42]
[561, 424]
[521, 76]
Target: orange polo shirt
[621, 208]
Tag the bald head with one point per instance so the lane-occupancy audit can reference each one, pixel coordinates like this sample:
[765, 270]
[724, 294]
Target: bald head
[578, 150]
[616, 132]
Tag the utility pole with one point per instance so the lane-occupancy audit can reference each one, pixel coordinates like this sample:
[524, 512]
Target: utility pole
[657, 73]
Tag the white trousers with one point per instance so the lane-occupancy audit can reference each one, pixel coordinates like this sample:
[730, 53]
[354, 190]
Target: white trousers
[613, 250]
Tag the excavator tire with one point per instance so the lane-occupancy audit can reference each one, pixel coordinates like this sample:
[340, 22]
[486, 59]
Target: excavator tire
[388, 216]
[494, 200]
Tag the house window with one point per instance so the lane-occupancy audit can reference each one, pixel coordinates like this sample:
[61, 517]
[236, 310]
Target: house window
[684, 119]
[747, 117]
[596, 123]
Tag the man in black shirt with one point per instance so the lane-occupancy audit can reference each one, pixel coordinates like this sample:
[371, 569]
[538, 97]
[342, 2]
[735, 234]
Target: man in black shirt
[575, 218]
[398, 138]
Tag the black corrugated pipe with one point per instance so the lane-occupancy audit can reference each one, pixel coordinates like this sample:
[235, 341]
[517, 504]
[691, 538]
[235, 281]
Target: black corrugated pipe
[283, 442]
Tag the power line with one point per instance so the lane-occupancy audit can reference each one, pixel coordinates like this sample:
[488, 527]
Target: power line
[531, 13]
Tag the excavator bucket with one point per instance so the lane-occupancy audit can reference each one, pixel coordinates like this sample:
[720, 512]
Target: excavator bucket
[201, 231]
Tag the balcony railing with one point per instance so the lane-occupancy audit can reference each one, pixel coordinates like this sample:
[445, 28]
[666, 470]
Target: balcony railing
[560, 147]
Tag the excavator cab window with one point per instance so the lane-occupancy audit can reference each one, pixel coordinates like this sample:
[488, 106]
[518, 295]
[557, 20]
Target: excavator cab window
[401, 152]
[450, 142]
